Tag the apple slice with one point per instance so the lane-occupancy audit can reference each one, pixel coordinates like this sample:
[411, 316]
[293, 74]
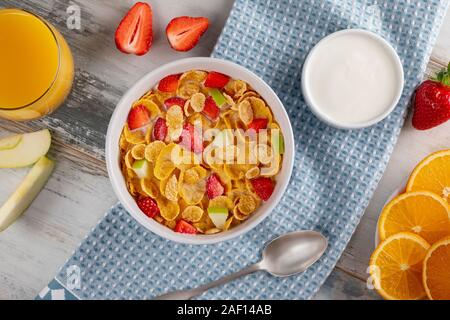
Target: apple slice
[141, 168]
[27, 151]
[10, 142]
[278, 143]
[26, 192]
[218, 97]
[218, 216]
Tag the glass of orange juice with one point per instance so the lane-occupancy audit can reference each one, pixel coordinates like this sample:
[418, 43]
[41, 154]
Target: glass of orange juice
[36, 66]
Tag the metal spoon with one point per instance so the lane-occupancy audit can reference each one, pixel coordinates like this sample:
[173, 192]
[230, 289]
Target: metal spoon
[284, 256]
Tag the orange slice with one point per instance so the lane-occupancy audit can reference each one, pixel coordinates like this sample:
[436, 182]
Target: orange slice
[436, 271]
[432, 174]
[420, 212]
[396, 267]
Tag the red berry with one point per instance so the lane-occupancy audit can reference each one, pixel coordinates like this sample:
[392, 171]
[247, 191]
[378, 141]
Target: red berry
[138, 117]
[184, 32]
[213, 187]
[216, 80]
[258, 124]
[431, 105]
[134, 33]
[160, 129]
[191, 138]
[184, 227]
[211, 110]
[169, 83]
[263, 187]
[174, 101]
[148, 206]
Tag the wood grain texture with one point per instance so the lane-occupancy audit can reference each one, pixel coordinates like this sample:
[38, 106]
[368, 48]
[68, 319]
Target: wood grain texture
[102, 73]
[78, 194]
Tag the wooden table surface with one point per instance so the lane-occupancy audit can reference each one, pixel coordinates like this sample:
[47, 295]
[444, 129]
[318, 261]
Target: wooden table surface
[78, 194]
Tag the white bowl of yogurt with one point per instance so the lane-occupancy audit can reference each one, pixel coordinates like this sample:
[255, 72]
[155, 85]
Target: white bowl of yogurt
[352, 79]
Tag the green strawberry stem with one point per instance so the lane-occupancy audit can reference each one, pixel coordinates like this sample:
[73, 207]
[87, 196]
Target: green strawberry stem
[443, 76]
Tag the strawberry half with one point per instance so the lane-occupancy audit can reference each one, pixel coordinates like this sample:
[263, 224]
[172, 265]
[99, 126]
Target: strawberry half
[191, 138]
[211, 110]
[184, 32]
[135, 32]
[184, 227]
[160, 129]
[169, 83]
[216, 80]
[213, 187]
[148, 206]
[174, 101]
[263, 187]
[258, 124]
[432, 102]
[138, 117]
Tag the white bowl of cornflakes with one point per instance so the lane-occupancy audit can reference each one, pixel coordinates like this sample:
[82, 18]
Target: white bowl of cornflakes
[200, 150]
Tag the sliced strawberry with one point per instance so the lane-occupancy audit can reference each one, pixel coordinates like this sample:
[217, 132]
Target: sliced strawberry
[174, 101]
[169, 83]
[263, 187]
[184, 227]
[216, 80]
[138, 117]
[258, 124]
[160, 129]
[213, 187]
[184, 32]
[135, 32]
[211, 110]
[148, 206]
[191, 138]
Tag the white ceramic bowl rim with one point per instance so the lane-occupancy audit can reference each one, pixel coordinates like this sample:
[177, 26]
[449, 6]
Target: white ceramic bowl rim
[149, 81]
[339, 124]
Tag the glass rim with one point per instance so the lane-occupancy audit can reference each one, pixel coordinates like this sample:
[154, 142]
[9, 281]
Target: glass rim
[47, 25]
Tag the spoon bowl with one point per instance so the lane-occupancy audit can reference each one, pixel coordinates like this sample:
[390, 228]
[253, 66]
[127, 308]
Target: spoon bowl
[284, 256]
[293, 252]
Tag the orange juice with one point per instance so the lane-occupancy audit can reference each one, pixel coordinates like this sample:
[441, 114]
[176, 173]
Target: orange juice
[36, 66]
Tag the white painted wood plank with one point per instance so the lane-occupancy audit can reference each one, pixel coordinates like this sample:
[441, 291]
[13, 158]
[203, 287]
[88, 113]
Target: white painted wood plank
[37, 244]
[441, 51]
[76, 197]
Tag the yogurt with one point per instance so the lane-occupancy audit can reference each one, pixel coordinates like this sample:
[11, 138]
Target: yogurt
[352, 79]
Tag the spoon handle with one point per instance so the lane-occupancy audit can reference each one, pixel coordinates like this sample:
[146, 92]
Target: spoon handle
[191, 293]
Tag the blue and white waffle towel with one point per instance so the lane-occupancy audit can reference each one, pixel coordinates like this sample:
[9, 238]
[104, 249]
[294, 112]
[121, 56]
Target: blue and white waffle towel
[335, 171]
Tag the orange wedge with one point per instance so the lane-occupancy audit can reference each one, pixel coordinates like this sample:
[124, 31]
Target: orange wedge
[432, 174]
[420, 212]
[436, 271]
[396, 267]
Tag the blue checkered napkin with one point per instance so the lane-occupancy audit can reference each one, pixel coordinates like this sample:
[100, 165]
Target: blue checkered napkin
[335, 172]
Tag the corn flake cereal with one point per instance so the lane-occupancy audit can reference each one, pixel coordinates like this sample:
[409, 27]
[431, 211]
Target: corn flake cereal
[171, 189]
[245, 112]
[152, 150]
[178, 165]
[198, 102]
[149, 188]
[169, 210]
[192, 213]
[133, 137]
[138, 151]
[164, 164]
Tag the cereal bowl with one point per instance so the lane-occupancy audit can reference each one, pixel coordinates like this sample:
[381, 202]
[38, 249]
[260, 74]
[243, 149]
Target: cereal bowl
[120, 120]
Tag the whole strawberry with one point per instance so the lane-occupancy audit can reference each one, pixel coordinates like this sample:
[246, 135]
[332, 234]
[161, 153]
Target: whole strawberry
[432, 102]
